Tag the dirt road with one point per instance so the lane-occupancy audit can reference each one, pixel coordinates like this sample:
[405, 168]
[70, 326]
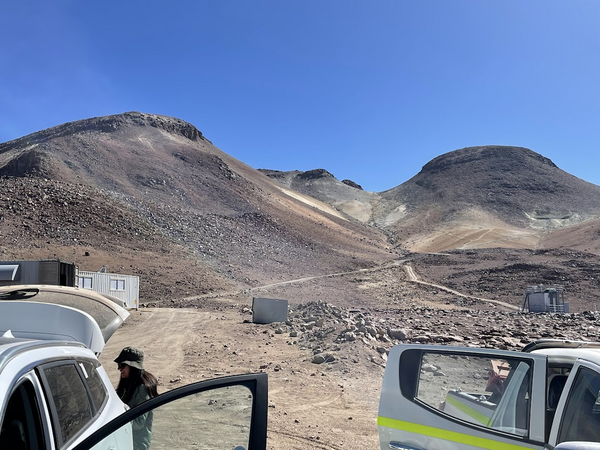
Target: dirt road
[412, 277]
[310, 406]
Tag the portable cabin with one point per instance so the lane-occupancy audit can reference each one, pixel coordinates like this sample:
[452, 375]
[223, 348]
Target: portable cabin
[123, 287]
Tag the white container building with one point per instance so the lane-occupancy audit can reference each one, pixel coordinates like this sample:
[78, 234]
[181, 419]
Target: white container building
[123, 287]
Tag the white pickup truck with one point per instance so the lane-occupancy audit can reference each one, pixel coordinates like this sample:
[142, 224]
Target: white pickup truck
[458, 398]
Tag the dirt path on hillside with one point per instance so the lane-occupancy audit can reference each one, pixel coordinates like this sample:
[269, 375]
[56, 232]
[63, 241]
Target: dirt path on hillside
[310, 406]
[412, 277]
[267, 287]
[410, 273]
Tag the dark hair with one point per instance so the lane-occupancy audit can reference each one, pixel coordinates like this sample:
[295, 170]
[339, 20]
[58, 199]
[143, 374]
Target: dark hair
[127, 386]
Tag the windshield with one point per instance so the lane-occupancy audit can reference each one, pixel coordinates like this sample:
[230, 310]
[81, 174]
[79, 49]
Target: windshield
[107, 314]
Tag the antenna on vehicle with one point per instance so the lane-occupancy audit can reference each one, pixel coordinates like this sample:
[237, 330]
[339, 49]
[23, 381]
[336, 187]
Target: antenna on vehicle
[7, 334]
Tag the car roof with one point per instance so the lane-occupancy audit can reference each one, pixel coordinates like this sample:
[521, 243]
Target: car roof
[46, 312]
[570, 355]
[558, 343]
[11, 347]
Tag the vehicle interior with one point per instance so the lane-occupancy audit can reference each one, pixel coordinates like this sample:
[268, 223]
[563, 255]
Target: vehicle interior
[21, 426]
[556, 384]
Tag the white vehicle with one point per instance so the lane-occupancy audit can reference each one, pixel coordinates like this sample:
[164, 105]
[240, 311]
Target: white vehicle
[443, 397]
[54, 394]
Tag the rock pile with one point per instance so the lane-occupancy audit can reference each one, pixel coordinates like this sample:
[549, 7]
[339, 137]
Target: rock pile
[333, 333]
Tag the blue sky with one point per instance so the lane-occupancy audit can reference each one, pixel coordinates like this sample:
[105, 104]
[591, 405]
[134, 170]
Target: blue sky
[369, 90]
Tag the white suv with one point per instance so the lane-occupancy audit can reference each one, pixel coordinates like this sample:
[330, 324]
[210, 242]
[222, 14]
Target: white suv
[54, 394]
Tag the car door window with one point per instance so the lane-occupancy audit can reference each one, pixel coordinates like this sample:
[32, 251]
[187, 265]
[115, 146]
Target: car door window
[485, 391]
[581, 419]
[94, 382]
[224, 413]
[216, 419]
[71, 408]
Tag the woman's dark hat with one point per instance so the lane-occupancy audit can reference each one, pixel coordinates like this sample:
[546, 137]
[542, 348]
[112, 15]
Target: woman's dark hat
[131, 356]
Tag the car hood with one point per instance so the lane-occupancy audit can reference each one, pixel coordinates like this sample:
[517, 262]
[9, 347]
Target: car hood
[59, 312]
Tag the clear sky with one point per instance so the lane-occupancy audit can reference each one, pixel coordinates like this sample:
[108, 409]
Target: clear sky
[369, 90]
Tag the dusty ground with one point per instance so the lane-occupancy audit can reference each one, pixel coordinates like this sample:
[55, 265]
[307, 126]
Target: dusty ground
[331, 405]
[310, 406]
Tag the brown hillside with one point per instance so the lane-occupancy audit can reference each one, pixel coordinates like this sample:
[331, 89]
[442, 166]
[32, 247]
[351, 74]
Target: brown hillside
[486, 197]
[152, 191]
[513, 184]
[346, 196]
[584, 237]
[477, 197]
[149, 195]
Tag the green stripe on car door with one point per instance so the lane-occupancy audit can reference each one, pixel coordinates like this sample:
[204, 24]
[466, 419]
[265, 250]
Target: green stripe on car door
[452, 436]
[471, 412]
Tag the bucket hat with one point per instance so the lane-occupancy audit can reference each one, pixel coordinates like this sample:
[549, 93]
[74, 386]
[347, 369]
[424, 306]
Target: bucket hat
[131, 356]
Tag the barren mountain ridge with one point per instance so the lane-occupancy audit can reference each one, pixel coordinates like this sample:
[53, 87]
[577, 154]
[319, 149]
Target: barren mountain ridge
[442, 258]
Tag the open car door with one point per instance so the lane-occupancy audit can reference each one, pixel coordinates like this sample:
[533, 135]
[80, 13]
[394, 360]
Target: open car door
[222, 413]
[443, 397]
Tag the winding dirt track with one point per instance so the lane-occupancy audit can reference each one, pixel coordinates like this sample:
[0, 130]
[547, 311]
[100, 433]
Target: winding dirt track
[267, 287]
[412, 276]
[410, 273]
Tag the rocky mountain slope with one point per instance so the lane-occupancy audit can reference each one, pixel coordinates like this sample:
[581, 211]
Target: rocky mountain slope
[515, 184]
[150, 195]
[476, 197]
[345, 196]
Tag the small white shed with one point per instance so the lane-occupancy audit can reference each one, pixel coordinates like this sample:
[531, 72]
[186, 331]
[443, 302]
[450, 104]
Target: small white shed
[123, 287]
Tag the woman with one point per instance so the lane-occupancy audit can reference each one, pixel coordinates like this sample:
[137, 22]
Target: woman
[136, 386]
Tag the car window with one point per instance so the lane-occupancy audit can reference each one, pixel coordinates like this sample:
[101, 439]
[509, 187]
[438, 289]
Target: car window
[22, 426]
[216, 419]
[71, 404]
[581, 419]
[95, 383]
[220, 413]
[485, 391]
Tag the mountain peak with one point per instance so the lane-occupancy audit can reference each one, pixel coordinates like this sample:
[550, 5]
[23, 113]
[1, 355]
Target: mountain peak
[315, 174]
[109, 124]
[502, 157]
[514, 184]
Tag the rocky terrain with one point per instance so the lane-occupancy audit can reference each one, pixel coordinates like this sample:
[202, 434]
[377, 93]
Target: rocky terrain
[326, 363]
[514, 184]
[149, 195]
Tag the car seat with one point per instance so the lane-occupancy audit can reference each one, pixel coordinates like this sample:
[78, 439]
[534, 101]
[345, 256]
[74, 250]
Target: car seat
[13, 436]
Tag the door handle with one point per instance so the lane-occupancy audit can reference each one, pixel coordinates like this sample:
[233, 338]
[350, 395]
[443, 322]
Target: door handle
[401, 446]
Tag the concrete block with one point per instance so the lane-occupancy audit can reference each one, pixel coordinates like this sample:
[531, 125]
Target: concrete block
[269, 310]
